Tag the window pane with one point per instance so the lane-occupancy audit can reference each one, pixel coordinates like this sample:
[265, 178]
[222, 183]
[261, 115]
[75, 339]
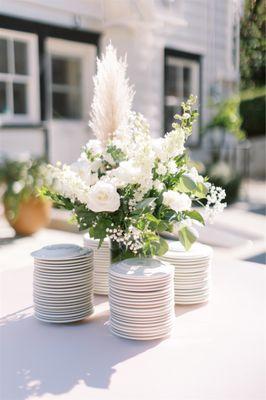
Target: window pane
[20, 98]
[3, 56]
[66, 71]
[187, 82]
[21, 62]
[170, 82]
[3, 97]
[66, 105]
[170, 111]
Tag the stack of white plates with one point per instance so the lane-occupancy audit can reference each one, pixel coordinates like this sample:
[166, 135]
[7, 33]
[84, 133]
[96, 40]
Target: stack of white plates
[141, 297]
[63, 283]
[192, 272]
[101, 262]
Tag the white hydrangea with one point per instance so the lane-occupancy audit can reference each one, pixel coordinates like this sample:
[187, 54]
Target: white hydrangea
[176, 201]
[161, 169]
[171, 167]
[158, 185]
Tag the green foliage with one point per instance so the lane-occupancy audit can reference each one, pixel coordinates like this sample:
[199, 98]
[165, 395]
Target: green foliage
[253, 44]
[116, 153]
[252, 111]
[187, 237]
[228, 118]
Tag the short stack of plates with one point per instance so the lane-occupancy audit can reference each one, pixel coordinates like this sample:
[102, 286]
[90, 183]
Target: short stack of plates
[192, 271]
[63, 283]
[101, 262]
[141, 297]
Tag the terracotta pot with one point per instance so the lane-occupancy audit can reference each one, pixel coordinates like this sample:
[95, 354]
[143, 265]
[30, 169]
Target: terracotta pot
[33, 214]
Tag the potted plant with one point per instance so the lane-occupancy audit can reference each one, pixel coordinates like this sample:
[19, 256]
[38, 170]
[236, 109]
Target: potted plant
[25, 210]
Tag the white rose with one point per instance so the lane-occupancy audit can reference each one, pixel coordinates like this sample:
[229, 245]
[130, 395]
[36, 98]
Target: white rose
[103, 197]
[176, 201]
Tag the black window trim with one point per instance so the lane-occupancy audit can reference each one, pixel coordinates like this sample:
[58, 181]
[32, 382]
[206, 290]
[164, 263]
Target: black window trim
[189, 56]
[43, 31]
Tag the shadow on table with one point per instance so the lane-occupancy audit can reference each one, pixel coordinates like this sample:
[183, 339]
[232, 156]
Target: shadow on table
[39, 358]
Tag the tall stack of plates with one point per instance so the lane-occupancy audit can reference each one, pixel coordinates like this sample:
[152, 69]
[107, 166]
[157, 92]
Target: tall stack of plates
[192, 272]
[101, 262]
[63, 283]
[141, 297]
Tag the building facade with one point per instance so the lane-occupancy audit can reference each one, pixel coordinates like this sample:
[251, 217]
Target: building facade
[48, 51]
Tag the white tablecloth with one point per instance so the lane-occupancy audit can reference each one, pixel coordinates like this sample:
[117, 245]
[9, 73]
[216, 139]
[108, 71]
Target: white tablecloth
[216, 351]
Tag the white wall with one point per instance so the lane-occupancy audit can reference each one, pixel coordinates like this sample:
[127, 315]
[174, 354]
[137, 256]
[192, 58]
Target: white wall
[205, 29]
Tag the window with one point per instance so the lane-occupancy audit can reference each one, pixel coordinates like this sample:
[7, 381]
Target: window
[19, 96]
[181, 80]
[66, 87]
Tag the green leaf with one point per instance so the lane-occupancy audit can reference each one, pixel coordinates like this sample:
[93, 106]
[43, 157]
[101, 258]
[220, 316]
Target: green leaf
[116, 153]
[162, 248]
[186, 184]
[187, 237]
[195, 215]
[99, 231]
[146, 205]
[201, 190]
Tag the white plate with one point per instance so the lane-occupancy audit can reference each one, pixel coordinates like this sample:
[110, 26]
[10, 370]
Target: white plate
[142, 289]
[63, 320]
[78, 260]
[56, 285]
[157, 328]
[63, 292]
[54, 303]
[141, 268]
[181, 302]
[61, 300]
[62, 311]
[131, 337]
[141, 282]
[62, 271]
[133, 311]
[196, 250]
[141, 319]
[141, 332]
[68, 279]
[127, 293]
[144, 303]
[60, 251]
[191, 298]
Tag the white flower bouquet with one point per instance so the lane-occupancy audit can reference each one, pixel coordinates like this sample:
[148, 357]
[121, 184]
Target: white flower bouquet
[128, 186]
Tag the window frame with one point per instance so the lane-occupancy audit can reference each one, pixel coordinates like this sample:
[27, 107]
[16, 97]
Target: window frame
[184, 58]
[31, 79]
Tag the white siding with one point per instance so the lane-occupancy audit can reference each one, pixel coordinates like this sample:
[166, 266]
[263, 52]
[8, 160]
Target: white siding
[206, 31]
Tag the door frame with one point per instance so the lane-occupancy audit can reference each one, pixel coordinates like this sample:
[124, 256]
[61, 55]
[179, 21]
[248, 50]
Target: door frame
[178, 54]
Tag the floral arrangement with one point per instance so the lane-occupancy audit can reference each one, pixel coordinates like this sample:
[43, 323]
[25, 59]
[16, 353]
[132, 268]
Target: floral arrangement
[128, 186]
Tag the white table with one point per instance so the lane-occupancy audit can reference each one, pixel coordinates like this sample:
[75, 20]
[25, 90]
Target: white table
[216, 351]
